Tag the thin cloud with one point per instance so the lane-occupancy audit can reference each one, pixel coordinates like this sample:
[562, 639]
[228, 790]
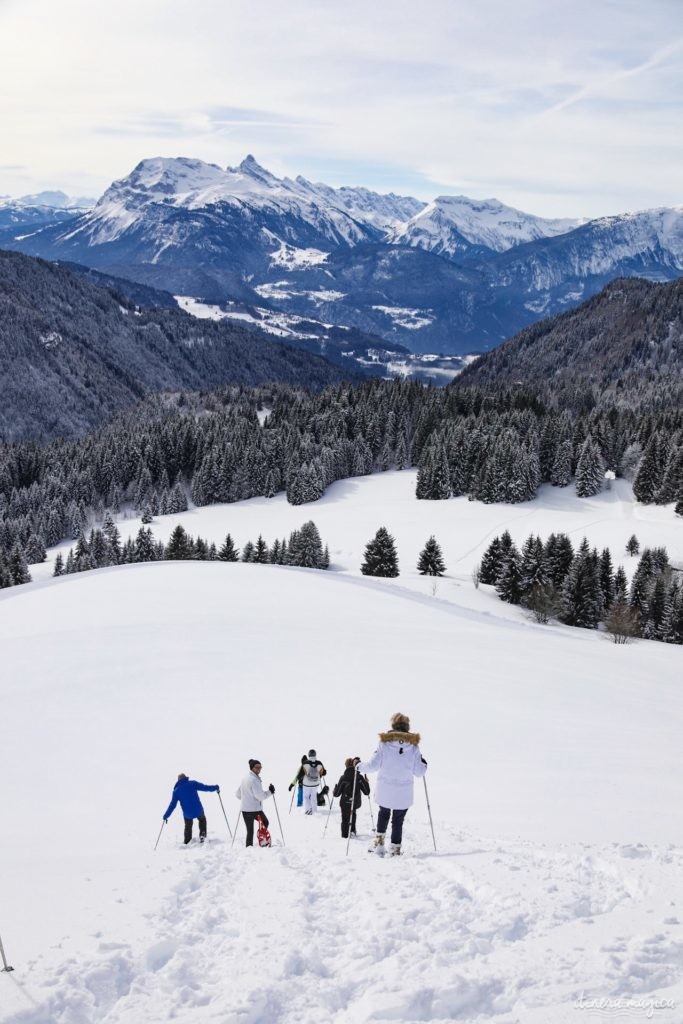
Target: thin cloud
[603, 83]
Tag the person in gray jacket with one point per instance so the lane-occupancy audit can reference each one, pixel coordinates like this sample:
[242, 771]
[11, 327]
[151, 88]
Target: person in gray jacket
[251, 795]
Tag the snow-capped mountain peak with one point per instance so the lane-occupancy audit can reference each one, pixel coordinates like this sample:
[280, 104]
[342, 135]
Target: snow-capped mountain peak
[450, 224]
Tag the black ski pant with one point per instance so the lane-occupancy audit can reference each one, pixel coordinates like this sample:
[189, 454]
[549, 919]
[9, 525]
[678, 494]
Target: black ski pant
[249, 819]
[396, 823]
[346, 818]
[188, 828]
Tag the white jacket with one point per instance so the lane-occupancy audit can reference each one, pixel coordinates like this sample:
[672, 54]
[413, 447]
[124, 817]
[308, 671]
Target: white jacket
[251, 793]
[398, 760]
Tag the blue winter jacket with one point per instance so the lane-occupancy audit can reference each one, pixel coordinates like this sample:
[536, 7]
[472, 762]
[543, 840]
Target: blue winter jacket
[185, 791]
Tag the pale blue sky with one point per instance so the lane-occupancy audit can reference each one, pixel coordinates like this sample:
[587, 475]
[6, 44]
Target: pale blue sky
[554, 107]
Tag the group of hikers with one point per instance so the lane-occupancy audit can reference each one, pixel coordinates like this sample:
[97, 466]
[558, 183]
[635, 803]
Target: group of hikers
[397, 761]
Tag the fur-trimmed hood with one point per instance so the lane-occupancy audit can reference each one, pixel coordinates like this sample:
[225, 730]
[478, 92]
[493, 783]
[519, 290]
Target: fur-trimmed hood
[400, 737]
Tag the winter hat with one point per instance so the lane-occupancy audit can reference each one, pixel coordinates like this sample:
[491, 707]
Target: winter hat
[349, 762]
[182, 776]
[312, 753]
[253, 761]
[399, 722]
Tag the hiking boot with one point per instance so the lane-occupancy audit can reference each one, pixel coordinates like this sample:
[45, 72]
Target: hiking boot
[378, 845]
[395, 849]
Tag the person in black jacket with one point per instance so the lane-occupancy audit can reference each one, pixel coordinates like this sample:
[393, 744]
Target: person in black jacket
[344, 791]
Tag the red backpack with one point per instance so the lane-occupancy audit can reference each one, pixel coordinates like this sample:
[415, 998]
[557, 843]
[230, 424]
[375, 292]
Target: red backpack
[263, 835]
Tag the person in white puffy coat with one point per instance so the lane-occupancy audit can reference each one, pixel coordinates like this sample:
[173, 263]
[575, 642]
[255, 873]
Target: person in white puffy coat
[251, 795]
[398, 761]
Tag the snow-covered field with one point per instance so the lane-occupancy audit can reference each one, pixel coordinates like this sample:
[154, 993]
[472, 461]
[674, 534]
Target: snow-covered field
[554, 779]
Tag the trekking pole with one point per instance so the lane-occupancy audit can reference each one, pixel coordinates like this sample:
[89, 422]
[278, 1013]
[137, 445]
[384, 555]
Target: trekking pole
[159, 836]
[372, 815]
[353, 803]
[424, 779]
[278, 820]
[328, 819]
[224, 814]
[235, 832]
[291, 802]
[5, 966]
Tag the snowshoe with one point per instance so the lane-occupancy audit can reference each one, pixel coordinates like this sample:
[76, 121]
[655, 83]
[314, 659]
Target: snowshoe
[378, 846]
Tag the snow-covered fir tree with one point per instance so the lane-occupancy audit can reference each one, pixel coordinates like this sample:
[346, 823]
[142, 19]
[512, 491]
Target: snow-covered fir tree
[228, 552]
[430, 562]
[381, 558]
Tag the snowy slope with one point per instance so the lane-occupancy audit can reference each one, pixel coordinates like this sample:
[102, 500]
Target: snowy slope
[451, 225]
[553, 774]
[559, 859]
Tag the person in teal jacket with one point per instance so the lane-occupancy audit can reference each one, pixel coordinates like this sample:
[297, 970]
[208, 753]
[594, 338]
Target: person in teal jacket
[185, 793]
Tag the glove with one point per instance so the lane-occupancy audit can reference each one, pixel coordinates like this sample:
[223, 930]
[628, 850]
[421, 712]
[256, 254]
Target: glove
[218, 789]
[290, 787]
[423, 761]
[165, 821]
[271, 787]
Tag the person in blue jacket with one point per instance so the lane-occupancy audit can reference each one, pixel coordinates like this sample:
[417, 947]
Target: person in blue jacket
[185, 793]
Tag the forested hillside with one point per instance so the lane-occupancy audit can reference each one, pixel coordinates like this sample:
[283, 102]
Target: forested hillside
[625, 345]
[214, 448]
[73, 354]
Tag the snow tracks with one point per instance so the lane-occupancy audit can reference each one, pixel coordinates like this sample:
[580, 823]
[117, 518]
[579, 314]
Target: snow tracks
[482, 931]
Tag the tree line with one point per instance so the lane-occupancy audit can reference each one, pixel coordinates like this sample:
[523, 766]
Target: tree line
[103, 547]
[581, 587]
[222, 447]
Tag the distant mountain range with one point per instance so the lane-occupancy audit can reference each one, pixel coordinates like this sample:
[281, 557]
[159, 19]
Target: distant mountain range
[455, 275]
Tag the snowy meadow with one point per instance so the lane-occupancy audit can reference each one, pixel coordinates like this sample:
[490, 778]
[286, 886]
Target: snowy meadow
[554, 780]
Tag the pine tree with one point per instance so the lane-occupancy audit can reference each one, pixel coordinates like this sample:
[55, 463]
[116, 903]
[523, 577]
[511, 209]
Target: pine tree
[657, 606]
[35, 550]
[632, 545]
[178, 499]
[59, 565]
[430, 562]
[508, 584]
[590, 470]
[581, 593]
[559, 555]
[620, 584]
[179, 546]
[533, 567]
[228, 551]
[18, 569]
[261, 554]
[308, 547]
[146, 516]
[144, 545]
[200, 550]
[606, 578]
[648, 477]
[113, 537]
[491, 563]
[561, 472]
[380, 556]
[248, 552]
[641, 585]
